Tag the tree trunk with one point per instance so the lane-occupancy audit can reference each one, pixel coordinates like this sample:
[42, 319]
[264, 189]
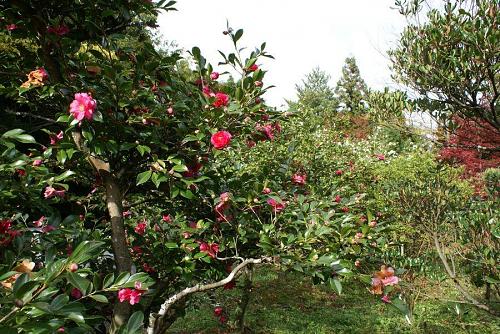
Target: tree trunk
[245, 300]
[123, 261]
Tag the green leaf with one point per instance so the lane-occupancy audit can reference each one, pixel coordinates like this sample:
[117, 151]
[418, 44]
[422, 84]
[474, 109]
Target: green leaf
[64, 175]
[135, 323]
[58, 302]
[336, 285]
[78, 282]
[143, 149]
[143, 177]
[99, 298]
[7, 275]
[108, 280]
[237, 35]
[84, 251]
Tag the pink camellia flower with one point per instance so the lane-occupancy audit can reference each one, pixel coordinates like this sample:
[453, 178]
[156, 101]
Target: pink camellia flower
[61, 330]
[55, 138]
[220, 139]
[124, 294]
[126, 214]
[135, 297]
[390, 280]
[37, 162]
[207, 91]
[59, 30]
[258, 83]
[386, 299]
[214, 75]
[338, 172]
[380, 157]
[186, 235]
[338, 198]
[167, 218]
[358, 235]
[221, 100]
[52, 192]
[140, 228]
[75, 293]
[39, 222]
[277, 206]
[218, 311]
[225, 196]
[11, 27]
[357, 263]
[83, 106]
[170, 110]
[373, 223]
[299, 179]
[266, 190]
[253, 68]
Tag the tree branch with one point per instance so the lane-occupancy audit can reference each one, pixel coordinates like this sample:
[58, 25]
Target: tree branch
[156, 325]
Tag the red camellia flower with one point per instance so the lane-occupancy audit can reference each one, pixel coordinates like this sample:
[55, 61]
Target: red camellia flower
[338, 198]
[380, 157]
[277, 206]
[133, 296]
[140, 228]
[220, 139]
[211, 249]
[338, 172]
[221, 100]
[59, 30]
[218, 311]
[11, 27]
[230, 285]
[214, 75]
[299, 179]
[253, 68]
[345, 209]
[167, 218]
[75, 293]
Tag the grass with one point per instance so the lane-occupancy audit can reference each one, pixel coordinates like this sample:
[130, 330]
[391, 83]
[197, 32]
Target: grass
[289, 303]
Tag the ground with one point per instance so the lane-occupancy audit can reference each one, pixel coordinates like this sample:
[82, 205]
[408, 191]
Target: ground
[288, 303]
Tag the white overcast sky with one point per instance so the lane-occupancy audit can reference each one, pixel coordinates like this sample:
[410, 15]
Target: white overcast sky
[299, 34]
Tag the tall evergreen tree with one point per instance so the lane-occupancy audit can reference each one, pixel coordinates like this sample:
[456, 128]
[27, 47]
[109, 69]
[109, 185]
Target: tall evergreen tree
[351, 90]
[315, 92]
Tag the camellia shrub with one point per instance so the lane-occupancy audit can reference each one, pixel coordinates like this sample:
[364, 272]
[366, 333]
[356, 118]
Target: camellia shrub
[127, 187]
